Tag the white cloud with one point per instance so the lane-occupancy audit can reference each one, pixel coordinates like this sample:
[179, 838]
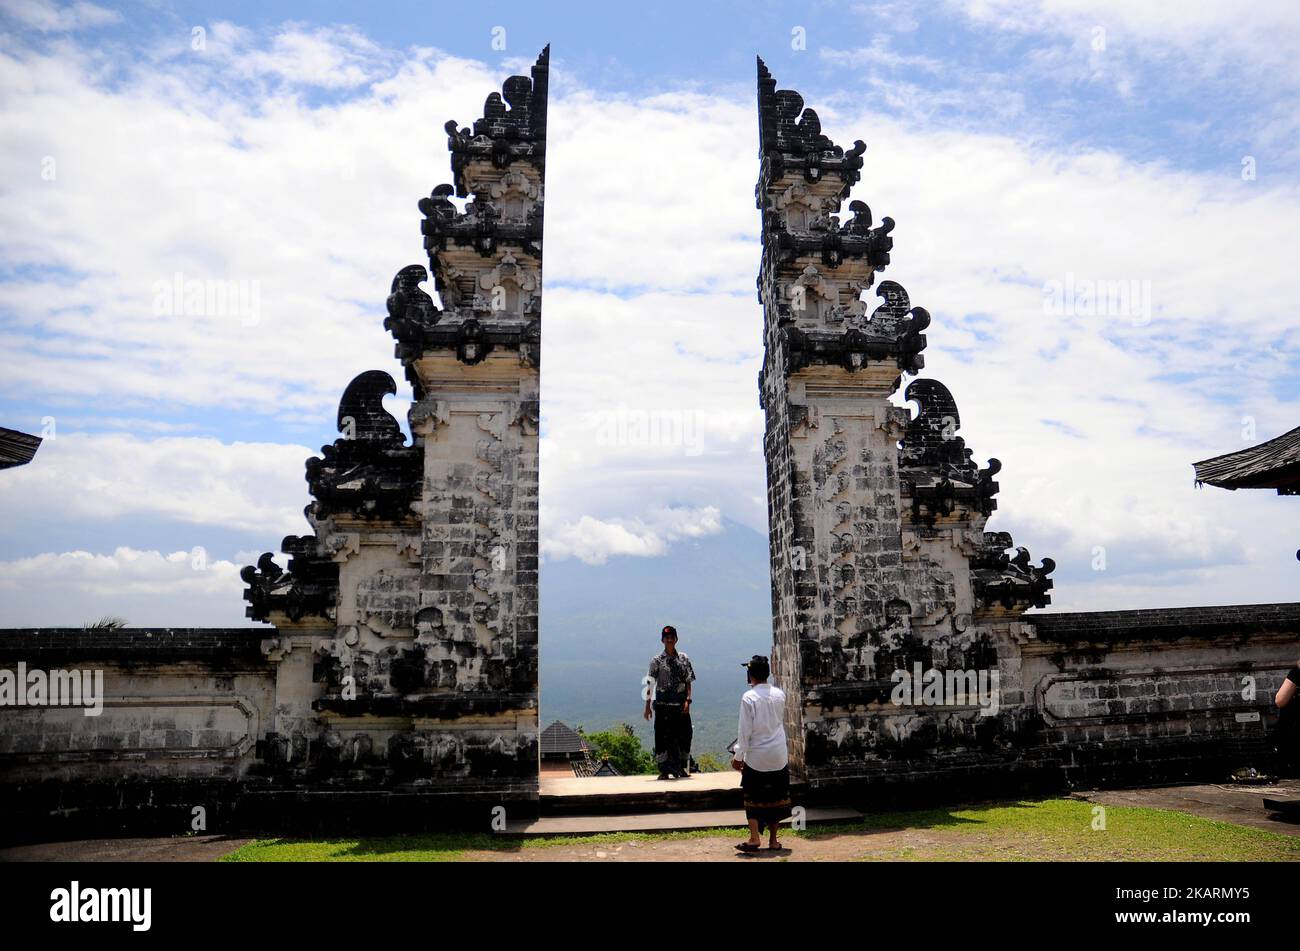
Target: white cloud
[147, 588]
[1264, 33]
[330, 57]
[880, 53]
[655, 193]
[58, 18]
[135, 424]
[254, 487]
[313, 206]
[127, 570]
[1135, 45]
[594, 541]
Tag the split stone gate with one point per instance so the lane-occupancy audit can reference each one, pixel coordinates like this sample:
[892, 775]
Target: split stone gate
[401, 666]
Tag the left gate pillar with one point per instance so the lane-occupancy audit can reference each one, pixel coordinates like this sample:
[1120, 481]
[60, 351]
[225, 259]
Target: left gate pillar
[406, 623]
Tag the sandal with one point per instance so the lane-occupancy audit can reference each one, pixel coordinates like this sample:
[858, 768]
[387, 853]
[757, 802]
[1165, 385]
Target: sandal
[747, 847]
[779, 847]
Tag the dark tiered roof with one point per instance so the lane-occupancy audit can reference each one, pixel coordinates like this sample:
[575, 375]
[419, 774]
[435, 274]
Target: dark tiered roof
[16, 449]
[1270, 465]
[560, 739]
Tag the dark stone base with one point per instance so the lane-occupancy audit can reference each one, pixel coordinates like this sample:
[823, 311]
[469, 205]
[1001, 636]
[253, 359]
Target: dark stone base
[1043, 771]
[1169, 761]
[314, 812]
[912, 784]
[53, 811]
[49, 811]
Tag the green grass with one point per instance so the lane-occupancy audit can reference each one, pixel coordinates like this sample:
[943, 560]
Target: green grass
[438, 846]
[1062, 830]
[1051, 829]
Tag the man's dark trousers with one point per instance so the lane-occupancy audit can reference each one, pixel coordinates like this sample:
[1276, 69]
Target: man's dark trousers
[672, 738]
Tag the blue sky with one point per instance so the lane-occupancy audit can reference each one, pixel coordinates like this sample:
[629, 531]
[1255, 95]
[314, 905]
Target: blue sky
[1017, 144]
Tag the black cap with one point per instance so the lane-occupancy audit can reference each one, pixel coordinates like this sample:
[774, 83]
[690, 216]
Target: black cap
[668, 629]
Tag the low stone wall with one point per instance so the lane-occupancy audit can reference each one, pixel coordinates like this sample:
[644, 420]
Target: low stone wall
[183, 711]
[177, 703]
[1092, 699]
[1165, 695]
[187, 732]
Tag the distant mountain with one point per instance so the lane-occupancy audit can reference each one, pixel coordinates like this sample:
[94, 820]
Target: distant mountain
[600, 626]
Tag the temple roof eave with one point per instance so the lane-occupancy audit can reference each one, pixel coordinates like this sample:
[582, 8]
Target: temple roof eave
[1274, 464]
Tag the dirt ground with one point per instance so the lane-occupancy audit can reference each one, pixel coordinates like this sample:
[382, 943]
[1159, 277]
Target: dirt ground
[197, 848]
[903, 843]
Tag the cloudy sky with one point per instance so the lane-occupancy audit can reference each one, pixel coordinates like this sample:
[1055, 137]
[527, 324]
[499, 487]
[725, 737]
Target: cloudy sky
[1025, 149]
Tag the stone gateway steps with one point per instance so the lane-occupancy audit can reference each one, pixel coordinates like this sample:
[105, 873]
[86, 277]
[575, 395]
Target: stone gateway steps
[629, 795]
[659, 822]
[585, 806]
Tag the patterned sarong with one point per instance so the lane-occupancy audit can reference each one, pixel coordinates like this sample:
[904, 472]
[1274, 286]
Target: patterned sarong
[767, 795]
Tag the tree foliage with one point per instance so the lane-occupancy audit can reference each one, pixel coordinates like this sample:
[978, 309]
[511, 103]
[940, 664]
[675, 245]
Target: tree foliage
[708, 763]
[622, 747]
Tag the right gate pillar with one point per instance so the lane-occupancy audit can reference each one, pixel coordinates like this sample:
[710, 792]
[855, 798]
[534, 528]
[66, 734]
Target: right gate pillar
[891, 605]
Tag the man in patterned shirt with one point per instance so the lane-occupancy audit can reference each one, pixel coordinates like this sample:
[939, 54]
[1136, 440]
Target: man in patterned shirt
[668, 702]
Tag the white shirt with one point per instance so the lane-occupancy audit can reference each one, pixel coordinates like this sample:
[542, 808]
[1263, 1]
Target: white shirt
[760, 739]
